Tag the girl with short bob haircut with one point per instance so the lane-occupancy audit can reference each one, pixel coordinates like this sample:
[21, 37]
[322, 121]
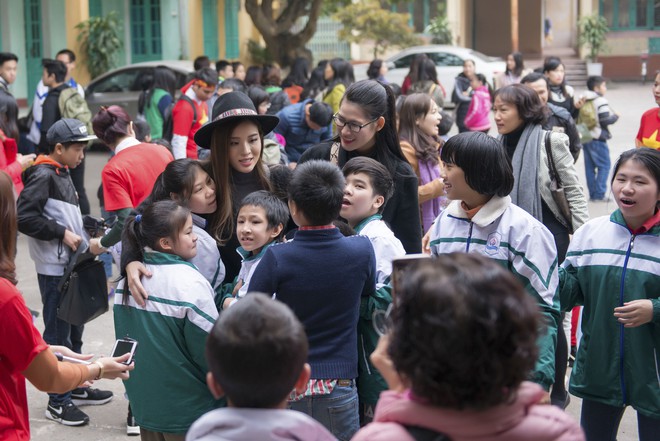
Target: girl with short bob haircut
[419, 118]
[475, 332]
[366, 124]
[481, 219]
[612, 269]
[172, 328]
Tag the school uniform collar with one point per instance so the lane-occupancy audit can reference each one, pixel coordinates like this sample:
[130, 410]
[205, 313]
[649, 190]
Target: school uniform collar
[199, 221]
[651, 225]
[126, 143]
[247, 255]
[359, 227]
[493, 209]
[160, 258]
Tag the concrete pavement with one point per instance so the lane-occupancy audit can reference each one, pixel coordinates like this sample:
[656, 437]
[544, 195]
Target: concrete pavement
[108, 422]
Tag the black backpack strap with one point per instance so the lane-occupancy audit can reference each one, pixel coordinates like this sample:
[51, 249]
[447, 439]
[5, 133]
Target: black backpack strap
[192, 104]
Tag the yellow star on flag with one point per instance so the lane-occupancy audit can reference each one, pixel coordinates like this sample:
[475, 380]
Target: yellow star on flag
[652, 141]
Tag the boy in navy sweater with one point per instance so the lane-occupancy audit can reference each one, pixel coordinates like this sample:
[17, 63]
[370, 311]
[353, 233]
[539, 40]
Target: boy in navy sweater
[321, 275]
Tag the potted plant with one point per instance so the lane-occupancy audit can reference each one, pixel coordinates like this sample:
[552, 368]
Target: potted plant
[100, 41]
[593, 29]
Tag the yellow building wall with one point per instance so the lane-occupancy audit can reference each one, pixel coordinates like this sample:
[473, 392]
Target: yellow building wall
[75, 12]
[195, 30]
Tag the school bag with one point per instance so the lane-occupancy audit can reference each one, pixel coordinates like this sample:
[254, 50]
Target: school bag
[587, 121]
[168, 121]
[73, 105]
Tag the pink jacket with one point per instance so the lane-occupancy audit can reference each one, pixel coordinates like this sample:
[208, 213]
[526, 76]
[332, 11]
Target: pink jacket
[477, 118]
[524, 419]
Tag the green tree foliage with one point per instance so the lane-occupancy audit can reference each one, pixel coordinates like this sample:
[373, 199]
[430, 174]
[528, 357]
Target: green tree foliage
[100, 39]
[276, 26]
[593, 30]
[439, 30]
[367, 20]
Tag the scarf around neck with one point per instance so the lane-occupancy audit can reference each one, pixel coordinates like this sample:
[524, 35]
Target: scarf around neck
[431, 208]
[525, 163]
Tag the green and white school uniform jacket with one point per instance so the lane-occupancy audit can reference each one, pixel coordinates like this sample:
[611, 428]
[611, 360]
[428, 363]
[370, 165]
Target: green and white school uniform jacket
[508, 234]
[606, 266]
[248, 266]
[386, 246]
[207, 260]
[167, 389]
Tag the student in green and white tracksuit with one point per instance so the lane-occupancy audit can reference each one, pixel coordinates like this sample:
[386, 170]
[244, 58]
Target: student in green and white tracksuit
[481, 219]
[167, 390]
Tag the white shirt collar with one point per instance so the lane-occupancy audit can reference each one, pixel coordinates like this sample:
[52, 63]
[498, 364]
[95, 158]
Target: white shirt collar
[126, 143]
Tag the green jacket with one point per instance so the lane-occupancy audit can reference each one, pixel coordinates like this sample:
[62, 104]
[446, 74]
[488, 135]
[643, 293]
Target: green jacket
[606, 266]
[152, 114]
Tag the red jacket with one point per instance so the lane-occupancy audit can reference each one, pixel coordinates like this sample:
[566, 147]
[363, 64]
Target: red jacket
[183, 118]
[8, 162]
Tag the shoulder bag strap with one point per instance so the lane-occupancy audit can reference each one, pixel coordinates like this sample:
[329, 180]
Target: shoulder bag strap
[551, 162]
[334, 153]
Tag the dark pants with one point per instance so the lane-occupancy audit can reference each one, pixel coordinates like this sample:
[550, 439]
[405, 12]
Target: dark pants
[78, 178]
[601, 422]
[57, 332]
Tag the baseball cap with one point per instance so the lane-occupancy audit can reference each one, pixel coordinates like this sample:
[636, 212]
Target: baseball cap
[68, 130]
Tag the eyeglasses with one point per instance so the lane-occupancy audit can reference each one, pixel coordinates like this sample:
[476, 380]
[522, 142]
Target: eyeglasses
[353, 127]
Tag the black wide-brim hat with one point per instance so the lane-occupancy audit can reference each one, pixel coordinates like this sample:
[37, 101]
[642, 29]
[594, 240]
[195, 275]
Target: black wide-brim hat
[231, 107]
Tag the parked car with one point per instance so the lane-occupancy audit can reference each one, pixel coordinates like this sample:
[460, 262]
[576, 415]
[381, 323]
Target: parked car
[449, 62]
[122, 86]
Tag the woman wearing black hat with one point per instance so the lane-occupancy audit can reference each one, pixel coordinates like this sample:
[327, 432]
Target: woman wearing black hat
[235, 138]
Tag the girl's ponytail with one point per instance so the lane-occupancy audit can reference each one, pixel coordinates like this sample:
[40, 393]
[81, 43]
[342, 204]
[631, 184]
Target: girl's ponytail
[131, 242]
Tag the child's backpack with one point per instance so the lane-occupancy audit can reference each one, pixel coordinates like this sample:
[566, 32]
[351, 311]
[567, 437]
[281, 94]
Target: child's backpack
[73, 105]
[587, 121]
[168, 123]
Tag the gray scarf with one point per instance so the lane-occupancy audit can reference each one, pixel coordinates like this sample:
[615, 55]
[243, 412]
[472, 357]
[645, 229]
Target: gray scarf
[525, 164]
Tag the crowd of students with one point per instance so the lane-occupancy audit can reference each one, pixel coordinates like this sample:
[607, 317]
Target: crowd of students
[253, 289]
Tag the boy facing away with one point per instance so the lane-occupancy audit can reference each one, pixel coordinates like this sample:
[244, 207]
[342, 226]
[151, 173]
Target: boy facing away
[48, 213]
[369, 186]
[322, 276]
[256, 355]
[259, 224]
[596, 152]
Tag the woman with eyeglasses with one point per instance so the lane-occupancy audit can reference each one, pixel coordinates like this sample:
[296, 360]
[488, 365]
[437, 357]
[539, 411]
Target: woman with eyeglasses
[366, 126]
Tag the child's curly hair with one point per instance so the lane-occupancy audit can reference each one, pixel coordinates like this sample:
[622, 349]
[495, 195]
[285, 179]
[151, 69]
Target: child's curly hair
[464, 332]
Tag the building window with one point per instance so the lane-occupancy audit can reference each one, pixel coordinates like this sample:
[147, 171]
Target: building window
[631, 14]
[146, 43]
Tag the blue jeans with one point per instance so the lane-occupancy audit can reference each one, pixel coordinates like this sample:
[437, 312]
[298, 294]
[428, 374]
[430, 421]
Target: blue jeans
[597, 167]
[600, 422]
[337, 411]
[57, 332]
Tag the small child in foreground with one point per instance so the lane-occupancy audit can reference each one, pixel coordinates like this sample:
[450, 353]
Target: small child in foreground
[256, 355]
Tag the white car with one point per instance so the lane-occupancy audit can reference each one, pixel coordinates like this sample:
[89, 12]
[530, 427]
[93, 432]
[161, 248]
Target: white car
[449, 62]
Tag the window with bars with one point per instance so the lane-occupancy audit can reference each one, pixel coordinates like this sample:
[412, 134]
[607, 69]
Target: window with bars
[631, 14]
[146, 41]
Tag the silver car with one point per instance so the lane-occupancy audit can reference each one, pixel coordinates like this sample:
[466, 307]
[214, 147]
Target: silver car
[122, 86]
[448, 61]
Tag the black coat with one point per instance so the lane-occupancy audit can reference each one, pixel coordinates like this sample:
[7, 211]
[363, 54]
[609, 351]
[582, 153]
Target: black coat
[402, 210]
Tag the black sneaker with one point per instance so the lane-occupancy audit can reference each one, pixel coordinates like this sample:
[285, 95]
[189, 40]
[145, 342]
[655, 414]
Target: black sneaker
[67, 414]
[132, 428]
[88, 395]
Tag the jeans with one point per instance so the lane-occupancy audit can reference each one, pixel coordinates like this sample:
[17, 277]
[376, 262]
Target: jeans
[597, 167]
[57, 332]
[337, 411]
[601, 422]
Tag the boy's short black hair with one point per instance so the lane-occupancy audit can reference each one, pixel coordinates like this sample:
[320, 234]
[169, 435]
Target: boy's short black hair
[7, 56]
[256, 351]
[276, 211]
[221, 65]
[280, 176]
[208, 75]
[69, 53]
[484, 162]
[320, 113]
[381, 179]
[201, 62]
[234, 84]
[317, 189]
[55, 67]
[142, 129]
[595, 81]
[533, 78]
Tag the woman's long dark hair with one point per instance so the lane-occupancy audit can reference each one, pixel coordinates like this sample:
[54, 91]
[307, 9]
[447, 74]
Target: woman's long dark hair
[376, 100]
[373, 72]
[550, 64]
[316, 82]
[416, 106]
[342, 73]
[163, 78]
[520, 65]
[8, 220]
[9, 116]
[298, 74]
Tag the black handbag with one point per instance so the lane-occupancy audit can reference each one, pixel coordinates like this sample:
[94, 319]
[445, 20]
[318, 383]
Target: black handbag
[556, 188]
[83, 289]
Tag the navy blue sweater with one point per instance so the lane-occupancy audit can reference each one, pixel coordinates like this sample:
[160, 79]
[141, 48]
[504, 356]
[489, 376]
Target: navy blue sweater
[321, 276]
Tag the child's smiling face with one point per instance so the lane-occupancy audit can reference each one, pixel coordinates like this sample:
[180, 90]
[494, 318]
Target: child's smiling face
[252, 229]
[185, 245]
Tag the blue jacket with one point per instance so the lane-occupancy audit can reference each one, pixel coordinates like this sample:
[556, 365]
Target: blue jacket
[297, 133]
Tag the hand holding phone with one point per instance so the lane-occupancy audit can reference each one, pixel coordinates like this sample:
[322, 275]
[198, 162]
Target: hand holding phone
[125, 346]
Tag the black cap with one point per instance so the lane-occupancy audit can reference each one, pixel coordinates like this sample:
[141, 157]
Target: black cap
[68, 130]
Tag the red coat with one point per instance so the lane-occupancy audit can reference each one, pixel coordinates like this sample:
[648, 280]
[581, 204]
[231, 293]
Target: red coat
[8, 162]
